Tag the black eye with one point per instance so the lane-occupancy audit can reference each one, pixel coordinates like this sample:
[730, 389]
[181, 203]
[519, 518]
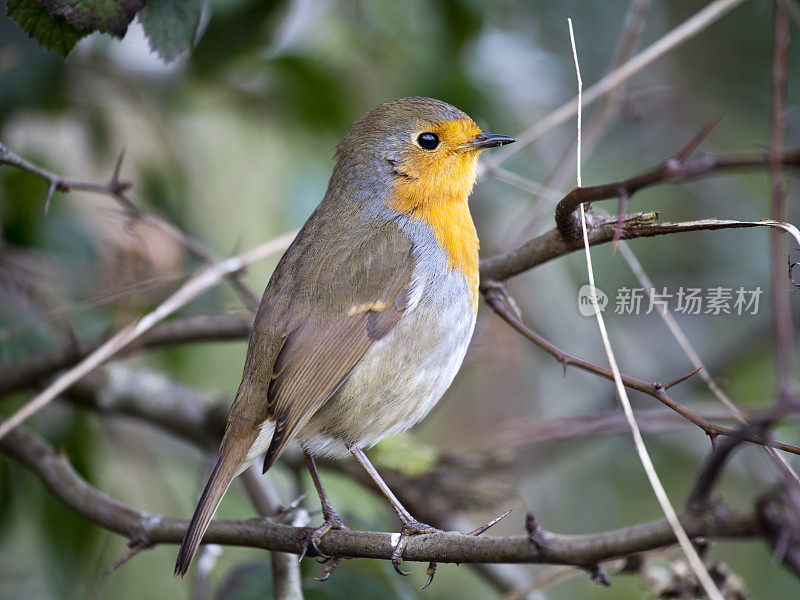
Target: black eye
[428, 140]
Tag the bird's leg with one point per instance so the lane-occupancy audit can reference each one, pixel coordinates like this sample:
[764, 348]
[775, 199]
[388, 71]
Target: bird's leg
[410, 525]
[332, 520]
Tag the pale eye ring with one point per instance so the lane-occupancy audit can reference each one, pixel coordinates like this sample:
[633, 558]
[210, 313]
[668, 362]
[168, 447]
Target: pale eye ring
[428, 140]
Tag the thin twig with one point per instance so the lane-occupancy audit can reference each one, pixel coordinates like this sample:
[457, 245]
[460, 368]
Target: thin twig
[287, 581]
[684, 32]
[536, 251]
[133, 549]
[671, 515]
[601, 119]
[115, 189]
[532, 253]
[494, 297]
[206, 278]
[671, 171]
[683, 341]
[781, 308]
[550, 577]
[580, 103]
[709, 474]
[199, 418]
[197, 328]
[552, 244]
[661, 494]
[521, 432]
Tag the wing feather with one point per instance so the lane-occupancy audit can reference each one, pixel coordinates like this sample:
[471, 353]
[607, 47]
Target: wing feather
[368, 288]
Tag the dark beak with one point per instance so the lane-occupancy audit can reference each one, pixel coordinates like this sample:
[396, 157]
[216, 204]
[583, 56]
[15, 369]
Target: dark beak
[490, 140]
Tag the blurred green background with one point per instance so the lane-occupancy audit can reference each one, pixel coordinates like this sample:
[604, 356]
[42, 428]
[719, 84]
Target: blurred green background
[234, 144]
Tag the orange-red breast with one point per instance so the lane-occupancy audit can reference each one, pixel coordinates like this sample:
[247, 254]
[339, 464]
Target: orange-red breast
[369, 313]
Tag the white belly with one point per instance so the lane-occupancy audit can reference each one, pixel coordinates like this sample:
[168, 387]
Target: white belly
[402, 377]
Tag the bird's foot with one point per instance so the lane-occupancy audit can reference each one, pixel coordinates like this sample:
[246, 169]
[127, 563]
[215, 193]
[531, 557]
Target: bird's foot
[332, 521]
[417, 528]
[410, 527]
[314, 538]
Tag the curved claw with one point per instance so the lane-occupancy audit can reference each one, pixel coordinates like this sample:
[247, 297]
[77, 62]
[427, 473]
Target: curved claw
[324, 577]
[397, 552]
[431, 573]
[324, 559]
[329, 570]
[400, 571]
[315, 544]
[409, 529]
[332, 521]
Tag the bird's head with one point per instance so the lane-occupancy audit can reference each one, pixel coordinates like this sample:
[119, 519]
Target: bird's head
[423, 151]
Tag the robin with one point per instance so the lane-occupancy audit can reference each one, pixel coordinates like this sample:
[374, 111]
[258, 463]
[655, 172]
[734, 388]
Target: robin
[367, 317]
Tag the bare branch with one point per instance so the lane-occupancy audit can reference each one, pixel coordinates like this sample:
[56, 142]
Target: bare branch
[66, 485]
[704, 483]
[494, 296]
[193, 287]
[684, 32]
[782, 326]
[693, 558]
[671, 171]
[541, 249]
[532, 253]
[552, 244]
[555, 574]
[199, 328]
[781, 463]
[604, 114]
[536, 430]
[116, 189]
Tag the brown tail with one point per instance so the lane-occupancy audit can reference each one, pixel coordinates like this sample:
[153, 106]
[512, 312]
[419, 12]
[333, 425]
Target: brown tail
[215, 489]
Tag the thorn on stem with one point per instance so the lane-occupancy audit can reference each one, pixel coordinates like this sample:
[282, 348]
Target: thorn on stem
[530, 523]
[118, 166]
[685, 152]
[287, 510]
[54, 184]
[135, 547]
[492, 523]
[302, 544]
[665, 386]
[115, 185]
[535, 533]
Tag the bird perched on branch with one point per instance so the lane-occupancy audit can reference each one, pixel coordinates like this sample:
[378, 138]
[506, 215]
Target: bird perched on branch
[369, 313]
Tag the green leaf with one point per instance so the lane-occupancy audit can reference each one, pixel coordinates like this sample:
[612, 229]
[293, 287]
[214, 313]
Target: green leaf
[171, 25]
[107, 16]
[50, 31]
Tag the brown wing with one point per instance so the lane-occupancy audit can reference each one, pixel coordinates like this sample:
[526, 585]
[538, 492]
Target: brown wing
[350, 299]
[341, 285]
